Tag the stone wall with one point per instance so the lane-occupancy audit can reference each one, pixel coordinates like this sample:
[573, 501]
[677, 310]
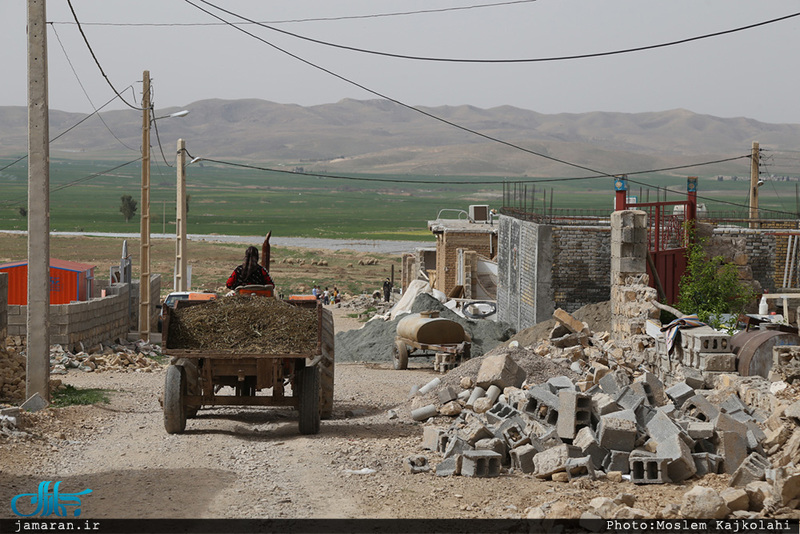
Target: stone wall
[88, 322]
[3, 306]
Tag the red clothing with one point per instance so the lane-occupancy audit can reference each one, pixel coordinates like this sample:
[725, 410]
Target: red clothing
[259, 276]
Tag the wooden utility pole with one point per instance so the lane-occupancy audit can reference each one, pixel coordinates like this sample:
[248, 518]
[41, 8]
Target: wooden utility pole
[180, 221]
[37, 377]
[754, 186]
[144, 271]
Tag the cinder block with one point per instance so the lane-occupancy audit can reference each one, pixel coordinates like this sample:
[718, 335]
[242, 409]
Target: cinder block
[618, 431]
[706, 463]
[752, 469]
[449, 466]
[474, 432]
[700, 430]
[514, 436]
[618, 461]
[628, 399]
[603, 403]
[493, 444]
[681, 465]
[706, 339]
[455, 447]
[480, 464]
[587, 441]
[656, 387]
[733, 449]
[614, 381]
[557, 383]
[499, 412]
[522, 458]
[700, 408]
[694, 378]
[721, 361]
[643, 389]
[679, 393]
[580, 468]
[574, 413]
[554, 460]
[446, 394]
[431, 438]
[649, 470]
[733, 404]
[662, 427]
[542, 405]
[546, 441]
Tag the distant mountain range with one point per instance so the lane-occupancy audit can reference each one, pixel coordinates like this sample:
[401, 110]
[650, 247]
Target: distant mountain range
[382, 137]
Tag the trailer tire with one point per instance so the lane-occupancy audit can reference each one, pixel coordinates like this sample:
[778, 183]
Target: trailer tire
[174, 409]
[309, 400]
[400, 355]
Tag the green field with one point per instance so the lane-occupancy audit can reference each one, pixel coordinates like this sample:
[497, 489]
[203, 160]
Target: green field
[236, 201]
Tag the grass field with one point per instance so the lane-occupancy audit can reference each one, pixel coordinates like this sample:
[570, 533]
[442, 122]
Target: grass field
[85, 196]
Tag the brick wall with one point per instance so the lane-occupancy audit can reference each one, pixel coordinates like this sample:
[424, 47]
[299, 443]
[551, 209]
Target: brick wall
[3, 306]
[87, 322]
[581, 263]
[447, 245]
[765, 249]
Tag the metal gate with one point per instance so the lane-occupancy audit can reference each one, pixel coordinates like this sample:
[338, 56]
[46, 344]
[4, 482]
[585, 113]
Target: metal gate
[667, 234]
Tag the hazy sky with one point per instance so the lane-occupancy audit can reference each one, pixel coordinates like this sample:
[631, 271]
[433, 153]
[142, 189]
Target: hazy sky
[753, 73]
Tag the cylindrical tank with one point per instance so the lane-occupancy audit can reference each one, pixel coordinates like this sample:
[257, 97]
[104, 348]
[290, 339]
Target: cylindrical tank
[754, 349]
[430, 330]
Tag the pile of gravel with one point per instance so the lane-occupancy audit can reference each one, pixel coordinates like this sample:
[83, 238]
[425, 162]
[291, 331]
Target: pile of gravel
[374, 342]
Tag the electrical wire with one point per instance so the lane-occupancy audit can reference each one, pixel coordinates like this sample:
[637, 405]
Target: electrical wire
[96, 61]
[398, 102]
[517, 60]
[86, 94]
[315, 19]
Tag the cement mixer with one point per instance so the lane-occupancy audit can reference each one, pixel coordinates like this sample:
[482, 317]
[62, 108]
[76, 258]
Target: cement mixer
[427, 334]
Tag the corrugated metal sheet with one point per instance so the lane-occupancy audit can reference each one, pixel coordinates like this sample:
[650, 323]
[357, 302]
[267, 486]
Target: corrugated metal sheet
[69, 281]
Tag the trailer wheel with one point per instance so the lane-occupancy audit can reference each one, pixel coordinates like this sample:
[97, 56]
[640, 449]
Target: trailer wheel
[309, 400]
[400, 355]
[174, 410]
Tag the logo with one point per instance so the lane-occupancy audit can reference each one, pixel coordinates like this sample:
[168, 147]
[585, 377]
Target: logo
[47, 503]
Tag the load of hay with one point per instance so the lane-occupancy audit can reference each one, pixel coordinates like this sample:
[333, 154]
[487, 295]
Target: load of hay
[244, 324]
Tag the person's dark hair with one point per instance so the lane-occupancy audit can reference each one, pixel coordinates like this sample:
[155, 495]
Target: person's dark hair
[250, 261]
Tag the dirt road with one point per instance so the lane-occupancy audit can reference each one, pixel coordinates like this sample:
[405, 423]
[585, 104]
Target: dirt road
[252, 463]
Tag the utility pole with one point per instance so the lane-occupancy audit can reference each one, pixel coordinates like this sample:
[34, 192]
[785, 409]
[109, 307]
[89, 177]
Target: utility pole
[37, 377]
[144, 271]
[180, 220]
[754, 185]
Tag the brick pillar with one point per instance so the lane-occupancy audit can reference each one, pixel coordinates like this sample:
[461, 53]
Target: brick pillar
[630, 293]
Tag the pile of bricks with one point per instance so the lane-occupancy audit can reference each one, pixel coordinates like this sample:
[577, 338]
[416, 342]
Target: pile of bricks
[620, 428]
[130, 357]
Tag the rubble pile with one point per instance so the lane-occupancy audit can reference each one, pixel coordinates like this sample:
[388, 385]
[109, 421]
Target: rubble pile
[618, 422]
[366, 306]
[128, 357]
[8, 423]
[12, 375]
[375, 340]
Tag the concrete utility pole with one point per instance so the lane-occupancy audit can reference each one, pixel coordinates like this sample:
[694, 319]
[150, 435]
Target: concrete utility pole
[38, 321]
[180, 221]
[754, 185]
[144, 271]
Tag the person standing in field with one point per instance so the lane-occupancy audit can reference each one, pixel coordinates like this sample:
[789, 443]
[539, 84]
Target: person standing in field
[387, 289]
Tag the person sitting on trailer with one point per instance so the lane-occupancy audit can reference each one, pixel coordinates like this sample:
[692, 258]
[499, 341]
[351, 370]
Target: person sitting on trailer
[250, 272]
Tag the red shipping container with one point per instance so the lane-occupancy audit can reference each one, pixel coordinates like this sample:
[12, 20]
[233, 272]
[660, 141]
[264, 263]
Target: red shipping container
[69, 281]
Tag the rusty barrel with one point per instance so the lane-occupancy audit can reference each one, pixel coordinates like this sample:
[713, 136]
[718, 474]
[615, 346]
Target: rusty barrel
[430, 330]
[754, 349]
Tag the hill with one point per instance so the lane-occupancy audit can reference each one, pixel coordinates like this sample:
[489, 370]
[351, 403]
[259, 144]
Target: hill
[383, 137]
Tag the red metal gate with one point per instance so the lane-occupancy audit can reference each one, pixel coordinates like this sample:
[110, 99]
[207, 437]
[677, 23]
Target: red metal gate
[667, 234]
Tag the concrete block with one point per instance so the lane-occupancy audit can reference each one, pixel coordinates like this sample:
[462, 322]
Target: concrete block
[455, 447]
[661, 427]
[628, 399]
[545, 441]
[480, 464]
[554, 460]
[432, 438]
[721, 361]
[681, 465]
[500, 370]
[34, 403]
[700, 408]
[752, 469]
[499, 412]
[542, 405]
[643, 389]
[474, 432]
[617, 431]
[522, 458]
[700, 430]
[514, 436]
[735, 499]
[755, 436]
[649, 470]
[706, 339]
[603, 403]
[656, 387]
[416, 464]
[446, 394]
[449, 466]
[570, 322]
[574, 413]
[617, 461]
[582, 467]
[679, 393]
[614, 381]
[493, 444]
[557, 383]
[733, 404]
[725, 423]
[733, 449]
[706, 463]
[586, 440]
[694, 378]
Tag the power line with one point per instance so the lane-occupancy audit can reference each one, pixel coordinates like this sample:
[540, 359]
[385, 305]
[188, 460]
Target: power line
[315, 19]
[86, 94]
[517, 60]
[398, 102]
[96, 61]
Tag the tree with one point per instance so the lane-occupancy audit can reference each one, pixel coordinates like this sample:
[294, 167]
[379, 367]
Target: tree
[711, 286]
[23, 212]
[128, 207]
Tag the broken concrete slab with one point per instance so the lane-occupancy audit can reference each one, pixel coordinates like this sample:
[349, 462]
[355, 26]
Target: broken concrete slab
[753, 468]
[617, 431]
[681, 465]
[554, 460]
[34, 403]
[500, 370]
[571, 323]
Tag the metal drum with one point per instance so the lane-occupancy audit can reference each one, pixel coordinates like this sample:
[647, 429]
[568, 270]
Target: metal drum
[754, 349]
